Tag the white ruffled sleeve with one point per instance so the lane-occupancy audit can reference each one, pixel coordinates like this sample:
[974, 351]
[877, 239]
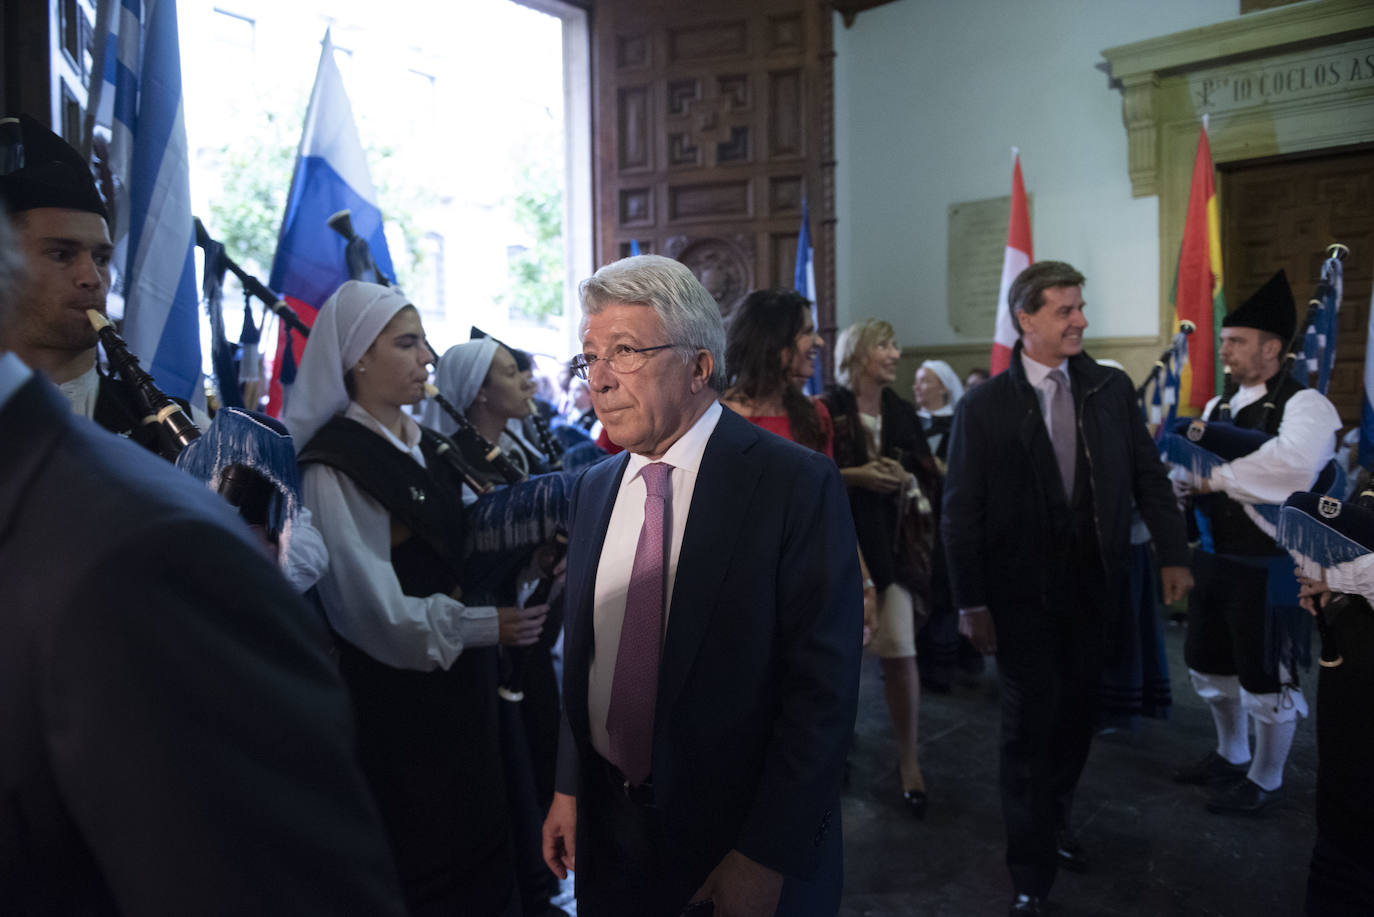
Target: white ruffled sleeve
[362, 597]
[1289, 462]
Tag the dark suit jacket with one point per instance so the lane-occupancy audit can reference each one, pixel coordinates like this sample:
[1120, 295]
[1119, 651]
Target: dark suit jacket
[175, 738]
[759, 674]
[1003, 488]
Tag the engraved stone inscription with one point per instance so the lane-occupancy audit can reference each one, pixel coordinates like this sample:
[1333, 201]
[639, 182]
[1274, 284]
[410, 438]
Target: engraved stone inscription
[1288, 77]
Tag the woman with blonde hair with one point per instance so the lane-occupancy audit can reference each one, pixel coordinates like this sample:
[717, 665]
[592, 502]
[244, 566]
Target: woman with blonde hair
[894, 492]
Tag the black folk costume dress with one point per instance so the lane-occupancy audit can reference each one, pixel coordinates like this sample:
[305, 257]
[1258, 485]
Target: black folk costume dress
[428, 734]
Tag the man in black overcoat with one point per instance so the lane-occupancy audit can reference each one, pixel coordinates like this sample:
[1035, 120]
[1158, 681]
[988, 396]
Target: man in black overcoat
[1045, 460]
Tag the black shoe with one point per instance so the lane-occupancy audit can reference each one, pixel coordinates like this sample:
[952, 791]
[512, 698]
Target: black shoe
[1245, 797]
[1213, 768]
[1033, 905]
[1071, 854]
[916, 803]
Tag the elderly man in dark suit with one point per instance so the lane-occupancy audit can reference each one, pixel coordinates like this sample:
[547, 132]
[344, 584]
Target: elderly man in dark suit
[176, 739]
[715, 613]
[1045, 460]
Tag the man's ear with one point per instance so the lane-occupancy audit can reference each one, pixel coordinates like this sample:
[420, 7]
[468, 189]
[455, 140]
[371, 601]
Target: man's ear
[1276, 353]
[702, 366]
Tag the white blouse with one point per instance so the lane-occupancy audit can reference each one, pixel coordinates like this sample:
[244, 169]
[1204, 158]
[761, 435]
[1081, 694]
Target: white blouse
[362, 597]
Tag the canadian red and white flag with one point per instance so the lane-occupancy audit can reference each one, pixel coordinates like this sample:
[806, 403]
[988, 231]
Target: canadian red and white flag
[1017, 258]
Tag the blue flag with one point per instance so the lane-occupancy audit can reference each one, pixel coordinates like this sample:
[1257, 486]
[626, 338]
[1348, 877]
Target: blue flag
[153, 230]
[804, 282]
[1367, 409]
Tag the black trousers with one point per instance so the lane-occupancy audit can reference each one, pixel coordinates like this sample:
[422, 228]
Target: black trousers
[619, 845]
[1049, 662]
[622, 870]
[1340, 882]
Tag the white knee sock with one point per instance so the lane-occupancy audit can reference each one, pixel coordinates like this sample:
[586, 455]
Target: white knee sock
[1229, 716]
[1272, 741]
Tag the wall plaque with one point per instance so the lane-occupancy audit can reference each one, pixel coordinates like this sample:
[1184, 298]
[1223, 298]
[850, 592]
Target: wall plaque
[977, 244]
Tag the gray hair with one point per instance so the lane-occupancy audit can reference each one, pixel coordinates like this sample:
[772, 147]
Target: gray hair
[690, 316]
[11, 269]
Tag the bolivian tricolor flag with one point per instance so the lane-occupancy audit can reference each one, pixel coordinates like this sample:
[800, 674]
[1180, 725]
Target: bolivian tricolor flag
[1197, 286]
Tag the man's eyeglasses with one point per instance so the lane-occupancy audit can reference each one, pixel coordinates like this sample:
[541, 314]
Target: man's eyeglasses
[622, 359]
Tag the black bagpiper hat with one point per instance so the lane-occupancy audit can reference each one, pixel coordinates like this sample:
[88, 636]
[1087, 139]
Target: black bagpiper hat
[43, 170]
[1270, 309]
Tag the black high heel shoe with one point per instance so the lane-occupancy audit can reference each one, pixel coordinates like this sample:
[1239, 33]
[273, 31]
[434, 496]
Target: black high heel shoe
[915, 799]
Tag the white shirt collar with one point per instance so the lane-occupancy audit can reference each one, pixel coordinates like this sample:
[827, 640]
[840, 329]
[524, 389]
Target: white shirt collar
[686, 453]
[1036, 372]
[411, 430]
[1247, 395]
[81, 392]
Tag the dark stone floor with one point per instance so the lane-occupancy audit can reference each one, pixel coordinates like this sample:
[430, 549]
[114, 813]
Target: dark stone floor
[1154, 849]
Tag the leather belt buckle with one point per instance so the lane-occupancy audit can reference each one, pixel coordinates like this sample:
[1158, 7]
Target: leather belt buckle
[640, 795]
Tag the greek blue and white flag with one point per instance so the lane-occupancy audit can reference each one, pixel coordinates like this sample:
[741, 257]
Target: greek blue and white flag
[1366, 453]
[141, 104]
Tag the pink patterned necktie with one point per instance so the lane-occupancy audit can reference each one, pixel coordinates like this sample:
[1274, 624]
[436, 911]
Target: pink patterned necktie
[1063, 431]
[634, 688]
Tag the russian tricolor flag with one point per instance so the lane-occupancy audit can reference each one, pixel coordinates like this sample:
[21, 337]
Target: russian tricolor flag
[153, 230]
[331, 175]
[1017, 257]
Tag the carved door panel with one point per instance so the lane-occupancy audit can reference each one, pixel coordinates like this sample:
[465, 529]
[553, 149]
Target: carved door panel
[712, 123]
[1283, 215]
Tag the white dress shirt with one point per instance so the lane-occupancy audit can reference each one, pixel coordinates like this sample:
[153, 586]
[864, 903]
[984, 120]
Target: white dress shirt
[1291, 461]
[362, 597]
[1355, 576]
[618, 557]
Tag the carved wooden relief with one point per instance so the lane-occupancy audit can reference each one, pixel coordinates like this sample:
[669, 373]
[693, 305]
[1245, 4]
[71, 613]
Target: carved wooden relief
[723, 265]
[712, 127]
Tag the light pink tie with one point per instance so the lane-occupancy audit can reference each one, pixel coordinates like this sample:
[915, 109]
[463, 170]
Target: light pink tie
[634, 689]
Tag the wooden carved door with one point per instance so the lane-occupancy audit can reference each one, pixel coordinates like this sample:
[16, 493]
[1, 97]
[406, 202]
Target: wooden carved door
[712, 123]
[1283, 215]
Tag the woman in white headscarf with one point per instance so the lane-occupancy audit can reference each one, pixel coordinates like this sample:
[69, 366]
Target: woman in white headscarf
[481, 379]
[937, 390]
[420, 665]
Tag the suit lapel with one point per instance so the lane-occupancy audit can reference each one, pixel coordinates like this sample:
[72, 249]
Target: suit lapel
[1035, 438]
[720, 502]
